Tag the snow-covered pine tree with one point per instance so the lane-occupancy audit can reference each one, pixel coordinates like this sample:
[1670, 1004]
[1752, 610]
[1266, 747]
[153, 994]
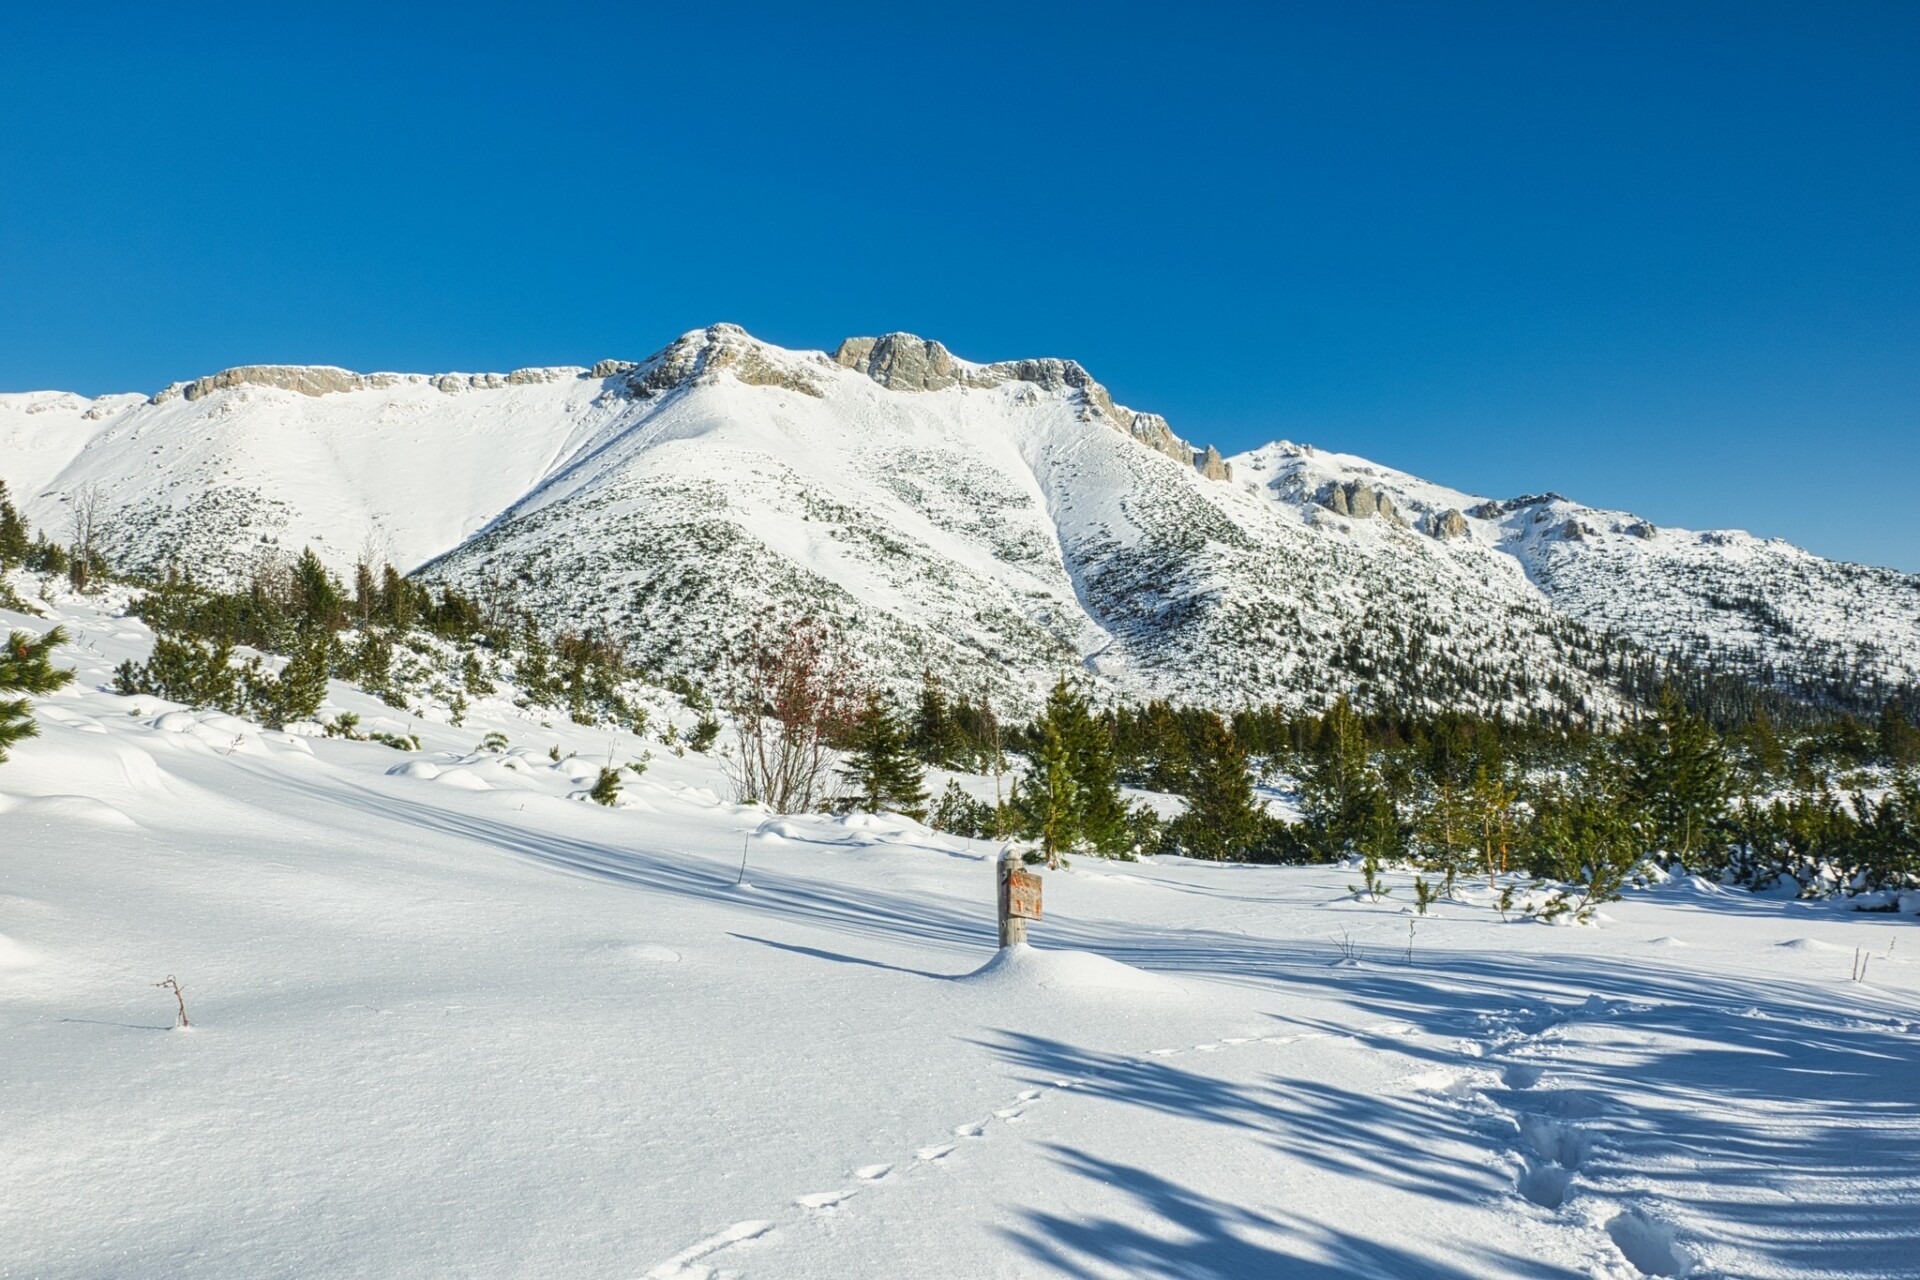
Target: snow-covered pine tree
[880, 764]
[26, 669]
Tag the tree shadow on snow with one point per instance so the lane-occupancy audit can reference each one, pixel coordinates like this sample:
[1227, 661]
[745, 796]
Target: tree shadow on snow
[1188, 1235]
[820, 954]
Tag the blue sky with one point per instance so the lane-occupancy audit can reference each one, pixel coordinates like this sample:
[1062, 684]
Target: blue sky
[1655, 256]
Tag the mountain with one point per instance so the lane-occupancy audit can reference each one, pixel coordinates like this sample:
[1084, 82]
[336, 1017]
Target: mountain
[997, 523]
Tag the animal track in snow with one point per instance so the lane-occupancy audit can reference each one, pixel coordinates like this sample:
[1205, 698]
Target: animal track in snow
[687, 1264]
[823, 1199]
[681, 1265]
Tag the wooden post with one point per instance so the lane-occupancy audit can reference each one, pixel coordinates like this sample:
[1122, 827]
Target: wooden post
[1013, 929]
[1018, 898]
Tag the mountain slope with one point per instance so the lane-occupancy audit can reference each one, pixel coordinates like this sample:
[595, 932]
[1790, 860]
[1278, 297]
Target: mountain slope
[998, 523]
[1779, 615]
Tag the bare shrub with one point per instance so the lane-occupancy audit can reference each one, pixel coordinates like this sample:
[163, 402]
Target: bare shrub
[792, 691]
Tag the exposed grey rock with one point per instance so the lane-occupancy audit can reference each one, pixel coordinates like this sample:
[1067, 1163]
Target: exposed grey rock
[705, 352]
[320, 380]
[1358, 499]
[1575, 531]
[308, 380]
[1641, 529]
[904, 362]
[1447, 525]
[612, 368]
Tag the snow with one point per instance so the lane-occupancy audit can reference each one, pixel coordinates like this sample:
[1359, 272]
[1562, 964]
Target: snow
[998, 534]
[448, 1029]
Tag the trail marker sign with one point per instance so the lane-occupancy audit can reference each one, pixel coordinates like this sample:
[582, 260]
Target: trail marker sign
[1018, 899]
[1023, 894]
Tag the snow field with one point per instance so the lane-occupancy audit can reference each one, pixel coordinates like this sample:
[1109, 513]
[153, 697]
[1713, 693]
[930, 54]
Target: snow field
[481, 1028]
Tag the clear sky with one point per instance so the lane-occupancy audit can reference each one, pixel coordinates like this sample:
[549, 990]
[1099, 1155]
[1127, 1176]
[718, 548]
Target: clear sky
[1660, 256]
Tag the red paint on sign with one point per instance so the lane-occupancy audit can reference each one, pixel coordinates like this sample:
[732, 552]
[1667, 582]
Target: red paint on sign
[1023, 894]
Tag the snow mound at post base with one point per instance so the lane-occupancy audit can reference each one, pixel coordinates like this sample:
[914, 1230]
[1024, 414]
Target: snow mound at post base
[1025, 968]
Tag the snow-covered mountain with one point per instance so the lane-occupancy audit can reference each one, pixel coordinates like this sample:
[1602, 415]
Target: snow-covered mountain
[998, 523]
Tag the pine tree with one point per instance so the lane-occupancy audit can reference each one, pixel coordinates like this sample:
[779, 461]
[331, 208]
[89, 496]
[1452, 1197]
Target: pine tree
[1445, 825]
[199, 673]
[1045, 800]
[1679, 777]
[958, 813]
[606, 789]
[25, 668]
[1899, 740]
[14, 540]
[880, 767]
[473, 675]
[1222, 820]
[316, 597]
[937, 738]
[1490, 802]
[300, 688]
[1342, 797]
[1099, 816]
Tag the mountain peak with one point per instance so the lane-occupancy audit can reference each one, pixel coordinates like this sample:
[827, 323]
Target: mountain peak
[907, 362]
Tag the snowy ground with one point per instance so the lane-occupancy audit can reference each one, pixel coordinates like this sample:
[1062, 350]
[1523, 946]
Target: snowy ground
[450, 1021]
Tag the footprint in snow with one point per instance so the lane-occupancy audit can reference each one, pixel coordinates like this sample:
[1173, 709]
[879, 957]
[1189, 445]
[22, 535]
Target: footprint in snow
[1010, 1114]
[1521, 1077]
[1028, 1095]
[1162, 1053]
[822, 1200]
[872, 1172]
[681, 1265]
[973, 1130]
[938, 1152]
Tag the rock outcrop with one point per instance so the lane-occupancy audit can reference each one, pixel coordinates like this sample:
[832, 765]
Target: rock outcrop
[322, 380]
[1447, 525]
[1210, 464]
[1359, 500]
[704, 353]
[307, 380]
[902, 362]
[905, 362]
